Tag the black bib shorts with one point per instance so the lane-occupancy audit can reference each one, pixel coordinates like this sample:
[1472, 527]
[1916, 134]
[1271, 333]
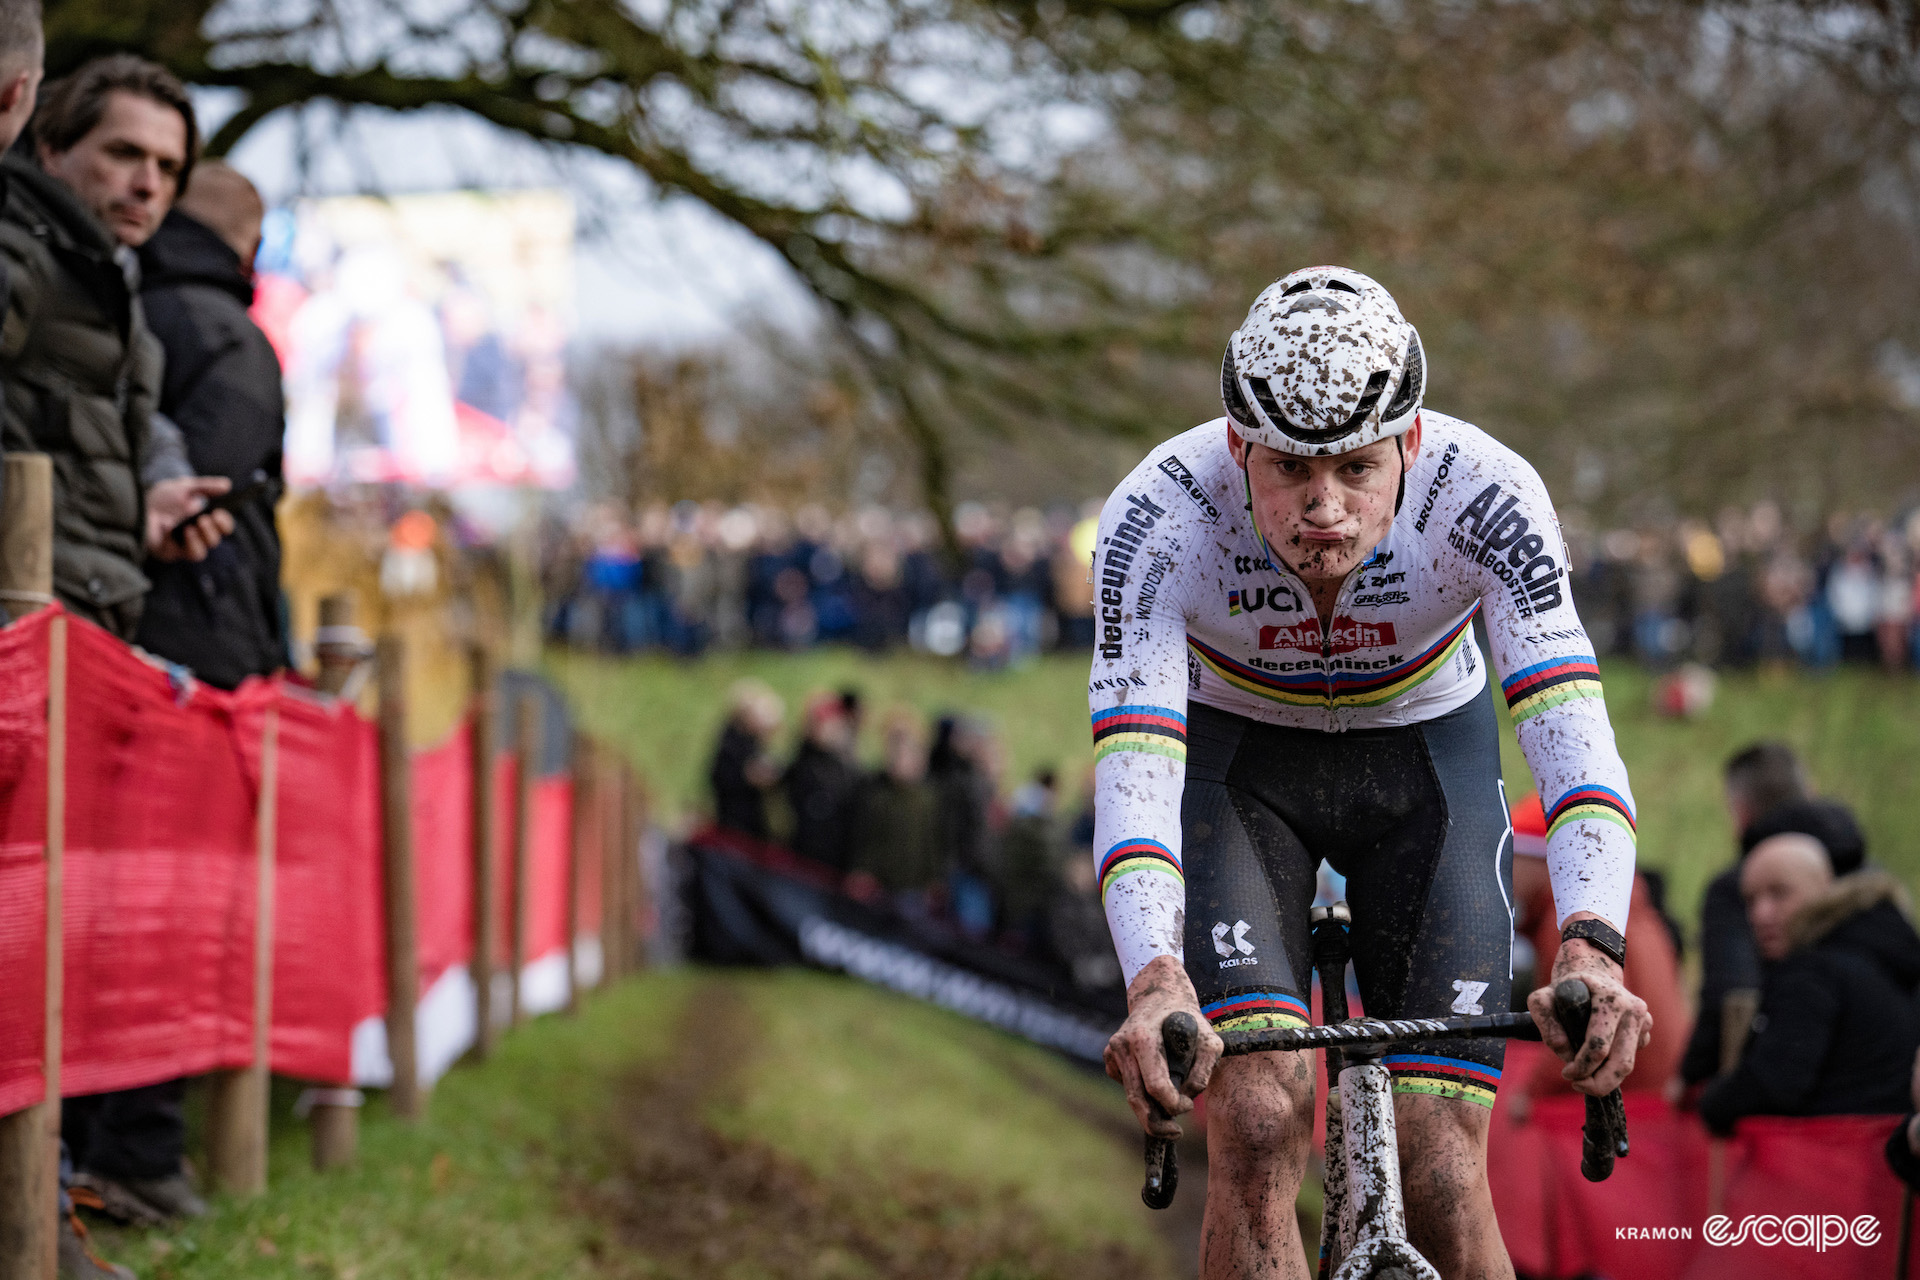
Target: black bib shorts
[1414, 816]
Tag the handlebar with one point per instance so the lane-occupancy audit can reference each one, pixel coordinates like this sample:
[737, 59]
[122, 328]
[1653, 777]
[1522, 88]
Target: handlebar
[1604, 1136]
[1179, 1040]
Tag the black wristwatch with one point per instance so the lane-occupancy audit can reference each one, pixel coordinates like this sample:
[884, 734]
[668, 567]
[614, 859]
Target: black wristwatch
[1600, 934]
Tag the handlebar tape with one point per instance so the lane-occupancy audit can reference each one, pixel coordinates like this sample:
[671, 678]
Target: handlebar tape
[1605, 1134]
[1179, 1040]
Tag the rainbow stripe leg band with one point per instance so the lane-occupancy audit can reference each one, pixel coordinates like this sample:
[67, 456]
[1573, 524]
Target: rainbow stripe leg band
[1130, 856]
[1443, 1077]
[1158, 731]
[1257, 1011]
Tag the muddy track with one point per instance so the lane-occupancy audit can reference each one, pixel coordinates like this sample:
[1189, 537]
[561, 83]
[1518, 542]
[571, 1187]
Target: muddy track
[682, 1200]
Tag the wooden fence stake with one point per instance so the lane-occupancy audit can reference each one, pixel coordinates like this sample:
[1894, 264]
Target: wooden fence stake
[484, 713]
[30, 1138]
[333, 1127]
[636, 899]
[582, 768]
[396, 831]
[611, 796]
[526, 771]
[237, 1102]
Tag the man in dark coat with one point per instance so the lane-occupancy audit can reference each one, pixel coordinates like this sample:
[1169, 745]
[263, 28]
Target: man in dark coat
[1837, 1028]
[80, 369]
[221, 616]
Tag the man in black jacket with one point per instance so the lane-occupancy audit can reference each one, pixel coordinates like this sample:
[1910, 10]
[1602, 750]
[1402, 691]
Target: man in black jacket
[1837, 1028]
[220, 616]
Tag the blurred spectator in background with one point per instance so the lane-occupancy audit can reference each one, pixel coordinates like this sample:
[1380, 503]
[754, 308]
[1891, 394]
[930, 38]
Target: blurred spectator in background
[959, 768]
[1759, 779]
[895, 851]
[1837, 1029]
[81, 371]
[1031, 854]
[822, 784]
[743, 769]
[220, 616]
[1653, 961]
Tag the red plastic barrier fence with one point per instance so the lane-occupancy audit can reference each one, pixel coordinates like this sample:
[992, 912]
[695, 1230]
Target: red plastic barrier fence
[162, 784]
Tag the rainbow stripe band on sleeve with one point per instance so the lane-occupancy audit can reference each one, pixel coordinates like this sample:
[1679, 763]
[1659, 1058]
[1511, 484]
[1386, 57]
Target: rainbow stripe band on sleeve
[1257, 1011]
[1546, 685]
[1591, 801]
[1158, 731]
[1138, 855]
[1443, 1077]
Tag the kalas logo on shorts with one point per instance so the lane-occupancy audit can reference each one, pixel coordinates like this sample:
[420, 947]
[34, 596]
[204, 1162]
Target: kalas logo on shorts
[1346, 636]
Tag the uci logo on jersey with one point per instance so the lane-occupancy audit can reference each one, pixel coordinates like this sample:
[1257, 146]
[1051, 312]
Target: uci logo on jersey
[1280, 599]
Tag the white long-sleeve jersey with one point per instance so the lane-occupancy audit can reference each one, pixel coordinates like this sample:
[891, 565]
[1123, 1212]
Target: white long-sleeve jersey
[1189, 608]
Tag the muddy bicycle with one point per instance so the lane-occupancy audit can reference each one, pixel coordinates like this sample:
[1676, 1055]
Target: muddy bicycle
[1363, 1221]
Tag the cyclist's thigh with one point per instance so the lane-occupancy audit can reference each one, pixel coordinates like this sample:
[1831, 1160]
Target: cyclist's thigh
[1433, 925]
[1249, 884]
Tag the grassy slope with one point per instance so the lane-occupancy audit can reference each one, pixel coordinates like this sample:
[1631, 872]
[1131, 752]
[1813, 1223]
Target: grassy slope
[489, 1184]
[1860, 731]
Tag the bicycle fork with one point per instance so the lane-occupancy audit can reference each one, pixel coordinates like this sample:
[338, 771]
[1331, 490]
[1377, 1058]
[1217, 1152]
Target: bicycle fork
[1363, 1221]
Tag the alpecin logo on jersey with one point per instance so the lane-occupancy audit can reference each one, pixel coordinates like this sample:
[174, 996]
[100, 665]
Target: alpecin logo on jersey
[1346, 636]
[1499, 537]
[1129, 532]
[1178, 472]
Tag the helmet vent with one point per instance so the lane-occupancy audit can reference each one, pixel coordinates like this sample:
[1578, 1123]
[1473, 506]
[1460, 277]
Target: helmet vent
[1230, 396]
[1412, 383]
[1292, 289]
[1342, 286]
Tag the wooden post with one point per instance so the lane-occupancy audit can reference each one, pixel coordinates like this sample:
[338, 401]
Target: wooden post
[582, 768]
[333, 1126]
[26, 533]
[396, 831]
[611, 796]
[526, 772]
[237, 1103]
[30, 1138]
[485, 716]
[635, 901]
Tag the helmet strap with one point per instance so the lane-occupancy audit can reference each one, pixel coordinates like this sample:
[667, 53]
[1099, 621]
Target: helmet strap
[1400, 444]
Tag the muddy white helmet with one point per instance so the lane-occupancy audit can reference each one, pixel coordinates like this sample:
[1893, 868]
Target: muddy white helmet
[1323, 363]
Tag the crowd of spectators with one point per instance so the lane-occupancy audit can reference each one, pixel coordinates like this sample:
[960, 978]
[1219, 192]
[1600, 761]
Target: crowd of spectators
[925, 831]
[128, 358]
[693, 577]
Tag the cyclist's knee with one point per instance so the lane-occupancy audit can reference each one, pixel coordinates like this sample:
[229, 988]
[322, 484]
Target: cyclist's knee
[1443, 1146]
[1261, 1106]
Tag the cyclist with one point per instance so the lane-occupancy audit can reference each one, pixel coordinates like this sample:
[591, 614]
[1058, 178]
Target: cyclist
[1285, 671]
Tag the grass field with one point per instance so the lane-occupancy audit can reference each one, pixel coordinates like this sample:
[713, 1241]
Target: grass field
[1859, 730]
[619, 1144]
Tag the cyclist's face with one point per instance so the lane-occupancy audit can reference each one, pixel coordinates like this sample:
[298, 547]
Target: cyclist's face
[1323, 516]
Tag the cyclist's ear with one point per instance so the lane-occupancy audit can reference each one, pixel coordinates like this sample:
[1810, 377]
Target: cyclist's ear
[1237, 446]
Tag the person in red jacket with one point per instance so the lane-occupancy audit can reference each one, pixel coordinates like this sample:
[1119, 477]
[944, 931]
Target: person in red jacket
[1652, 970]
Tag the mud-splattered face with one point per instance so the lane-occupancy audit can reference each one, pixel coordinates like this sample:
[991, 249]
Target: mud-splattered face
[1324, 515]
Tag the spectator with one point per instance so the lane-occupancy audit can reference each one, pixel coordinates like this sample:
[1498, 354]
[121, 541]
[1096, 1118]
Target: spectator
[743, 772]
[958, 768]
[1837, 1029]
[222, 615]
[1653, 962]
[114, 140]
[1031, 854]
[822, 784]
[894, 850]
[1759, 779]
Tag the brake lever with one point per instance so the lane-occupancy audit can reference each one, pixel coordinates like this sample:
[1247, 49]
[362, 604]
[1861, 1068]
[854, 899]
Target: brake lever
[1179, 1040]
[1605, 1134]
